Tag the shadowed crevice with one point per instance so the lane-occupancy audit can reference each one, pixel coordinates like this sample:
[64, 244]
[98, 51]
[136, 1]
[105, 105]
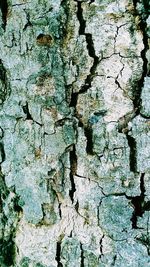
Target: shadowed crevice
[82, 255]
[138, 203]
[4, 10]
[73, 168]
[58, 254]
[27, 112]
[133, 153]
[143, 27]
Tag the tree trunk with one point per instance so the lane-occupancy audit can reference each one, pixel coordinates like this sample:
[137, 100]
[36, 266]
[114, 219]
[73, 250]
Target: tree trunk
[74, 133]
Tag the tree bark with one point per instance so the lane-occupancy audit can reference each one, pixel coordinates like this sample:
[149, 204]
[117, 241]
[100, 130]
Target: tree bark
[74, 133]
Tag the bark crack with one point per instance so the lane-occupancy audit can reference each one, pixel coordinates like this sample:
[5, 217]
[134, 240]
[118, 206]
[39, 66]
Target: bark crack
[89, 78]
[29, 116]
[90, 48]
[8, 221]
[133, 152]
[82, 255]
[58, 254]
[139, 204]
[73, 169]
[143, 28]
[145, 238]
[101, 246]
[4, 88]
[4, 10]
[27, 112]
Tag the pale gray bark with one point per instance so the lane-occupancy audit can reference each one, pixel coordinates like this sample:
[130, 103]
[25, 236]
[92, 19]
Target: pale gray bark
[74, 133]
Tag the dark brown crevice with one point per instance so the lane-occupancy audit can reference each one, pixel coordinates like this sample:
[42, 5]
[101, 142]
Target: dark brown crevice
[4, 10]
[73, 168]
[5, 85]
[89, 78]
[144, 116]
[91, 52]
[143, 27]
[81, 19]
[133, 153]
[138, 203]
[82, 255]
[101, 246]
[74, 99]
[59, 208]
[92, 1]
[88, 132]
[27, 112]
[90, 48]
[89, 145]
[7, 244]
[7, 251]
[28, 24]
[58, 254]
[2, 152]
[114, 260]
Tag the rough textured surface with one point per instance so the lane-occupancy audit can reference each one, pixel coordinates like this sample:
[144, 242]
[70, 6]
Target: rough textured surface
[74, 133]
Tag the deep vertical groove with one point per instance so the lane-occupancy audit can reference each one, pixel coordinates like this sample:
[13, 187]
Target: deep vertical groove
[4, 10]
[59, 208]
[101, 246]
[143, 28]
[138, 203]
[74, 99]
[82, 255]
[4, 82]
[90, 48]
[73, 168]
[142, 185]
[89, 78]
[133, 153]
[2, 152]
[89, 145]
[81, 19]
[7, 243]
[27, 112]
[58, 254]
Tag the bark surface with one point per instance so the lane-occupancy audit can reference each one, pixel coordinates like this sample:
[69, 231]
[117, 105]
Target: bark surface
[74, 133]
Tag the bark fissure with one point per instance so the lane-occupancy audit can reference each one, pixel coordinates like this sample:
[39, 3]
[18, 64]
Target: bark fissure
[58, 254]
[143, 28]
[73, 168]
[28, 24]
[2, 152]
[27, 112]
[88, 132]
[89, 78]
[114, 260]
[4, 10]
[82, 255]
[101, 246]
[8, 249]
[7, 242]
[59, 208]
[90, 48]
[133, 152]
[138, 203]
[4, 88]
